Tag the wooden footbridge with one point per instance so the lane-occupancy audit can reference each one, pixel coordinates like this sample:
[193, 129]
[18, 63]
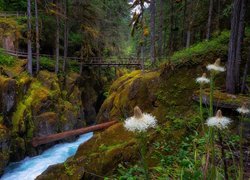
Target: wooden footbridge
[36, 141]
[90, 61]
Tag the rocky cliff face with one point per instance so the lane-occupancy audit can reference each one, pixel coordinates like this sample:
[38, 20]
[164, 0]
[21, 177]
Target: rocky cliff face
[39, 106]
[165, 93]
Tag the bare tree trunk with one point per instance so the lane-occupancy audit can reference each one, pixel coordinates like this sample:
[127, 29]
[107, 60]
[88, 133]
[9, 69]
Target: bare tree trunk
[184, 23]
[81, 60]
[29, 38]
[246, 69]
[239, 44]
[143, 38]
[218, 15]
[171, 26]
[160, 33]
[190, 23]
[210, 11]
[234, 51]
[152, 31]
[57, 38]
[66, 32]
[37, 39]
[188, 37]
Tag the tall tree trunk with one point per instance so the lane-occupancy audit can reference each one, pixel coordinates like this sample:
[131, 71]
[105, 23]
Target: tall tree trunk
[142, 36]
[190, 24]
[239, 44]
[160, 33]
[171, 26]
[29, 45]
[218, 15]
[246, 69]
[184, 23]
[57, 38]
[37, 39]
[210, 11]
[188, 37]
[234, 51]
[66, 32]
[81, 60]
[152, 31]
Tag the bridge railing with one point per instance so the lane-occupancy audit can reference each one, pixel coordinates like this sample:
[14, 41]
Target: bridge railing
[90, 61]
[12, 13]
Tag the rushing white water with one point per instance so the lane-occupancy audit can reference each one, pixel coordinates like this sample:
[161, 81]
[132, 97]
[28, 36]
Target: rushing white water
[30, 168]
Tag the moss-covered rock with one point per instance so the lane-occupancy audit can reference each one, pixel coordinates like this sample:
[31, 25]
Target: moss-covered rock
[42, 105]
[128, 91]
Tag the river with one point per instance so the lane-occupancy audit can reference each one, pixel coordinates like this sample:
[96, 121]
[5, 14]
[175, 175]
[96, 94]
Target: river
[31, 167]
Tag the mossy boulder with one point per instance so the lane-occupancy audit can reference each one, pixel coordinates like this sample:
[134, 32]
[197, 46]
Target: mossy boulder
[129, 91]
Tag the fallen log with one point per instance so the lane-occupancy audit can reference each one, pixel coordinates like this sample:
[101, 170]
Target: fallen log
[36, 141]
[222, 100]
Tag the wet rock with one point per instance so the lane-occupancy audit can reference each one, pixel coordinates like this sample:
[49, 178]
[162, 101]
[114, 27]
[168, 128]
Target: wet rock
[17, 149]
[46, 124]
[4, 147]
[8, 98]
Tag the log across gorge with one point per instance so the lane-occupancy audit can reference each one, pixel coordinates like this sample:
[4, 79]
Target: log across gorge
[36, 141]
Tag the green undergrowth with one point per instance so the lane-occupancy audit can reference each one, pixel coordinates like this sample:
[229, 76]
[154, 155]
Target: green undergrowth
[6, 60]
[217, 46]
[49, 64]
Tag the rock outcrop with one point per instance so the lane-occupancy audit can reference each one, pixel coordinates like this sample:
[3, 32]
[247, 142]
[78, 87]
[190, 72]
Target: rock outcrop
[41, 105]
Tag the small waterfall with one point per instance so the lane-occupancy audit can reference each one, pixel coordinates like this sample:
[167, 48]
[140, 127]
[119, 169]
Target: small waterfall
[31, 167]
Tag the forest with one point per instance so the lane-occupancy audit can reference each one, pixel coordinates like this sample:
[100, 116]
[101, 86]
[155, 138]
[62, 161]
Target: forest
[124, 89]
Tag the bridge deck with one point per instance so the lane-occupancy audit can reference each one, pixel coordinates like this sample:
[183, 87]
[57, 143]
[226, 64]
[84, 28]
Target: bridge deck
[91, 61]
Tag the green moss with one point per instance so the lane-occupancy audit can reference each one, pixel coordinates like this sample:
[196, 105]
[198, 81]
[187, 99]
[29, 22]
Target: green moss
[35, 95]
[227, 99]
[18, 117]
[106, 148]
[23, 78]
[69, 170]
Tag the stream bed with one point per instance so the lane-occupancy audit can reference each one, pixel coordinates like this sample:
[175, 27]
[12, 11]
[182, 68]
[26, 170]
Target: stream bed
[31, 167]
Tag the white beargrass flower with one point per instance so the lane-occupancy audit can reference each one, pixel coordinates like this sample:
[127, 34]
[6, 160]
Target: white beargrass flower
[216, 66]
[218, 121]
[203, 79]
[243, 109]
[140, 122]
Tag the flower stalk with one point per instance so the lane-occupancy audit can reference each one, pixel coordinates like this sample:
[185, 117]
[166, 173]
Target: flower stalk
[219, 122]
[223, 155]
[243, 110]
[202, 81]
[212, 122]
[139, 124]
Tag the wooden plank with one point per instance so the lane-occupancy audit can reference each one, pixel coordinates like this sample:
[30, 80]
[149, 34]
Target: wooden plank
[36, 141]
[93, 61]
